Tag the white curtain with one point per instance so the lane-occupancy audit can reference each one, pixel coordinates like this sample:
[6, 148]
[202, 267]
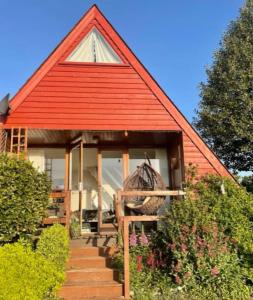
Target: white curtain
[94, 48]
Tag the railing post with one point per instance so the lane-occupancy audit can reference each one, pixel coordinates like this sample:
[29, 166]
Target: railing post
[126, 258]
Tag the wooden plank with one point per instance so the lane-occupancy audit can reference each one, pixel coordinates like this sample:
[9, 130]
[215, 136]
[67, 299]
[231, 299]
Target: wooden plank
[103, 95]
[77, 84]
[115, 115]
[128, 219]
[104, 110]
[48, 221]
[54, 125]
[114, 121]
[57, 195]
[126, 259]
[92, 80]
[94, 69]
[93, 90]
[151, 193]
[93, 75]
[98, 104]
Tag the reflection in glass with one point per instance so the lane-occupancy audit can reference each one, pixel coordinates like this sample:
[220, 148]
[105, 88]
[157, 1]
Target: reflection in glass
[112, 179]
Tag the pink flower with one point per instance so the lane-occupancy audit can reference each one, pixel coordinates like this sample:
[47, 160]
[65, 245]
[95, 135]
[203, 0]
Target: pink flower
[133, 240]
[143, 239]
[178, 280]
[215, 271]
[183, 247]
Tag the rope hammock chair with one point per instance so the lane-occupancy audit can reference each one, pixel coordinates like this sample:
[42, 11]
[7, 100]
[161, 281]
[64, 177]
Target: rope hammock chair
[145, 178]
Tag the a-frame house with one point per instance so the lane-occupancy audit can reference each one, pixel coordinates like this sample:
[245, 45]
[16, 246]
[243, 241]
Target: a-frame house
[88, 115]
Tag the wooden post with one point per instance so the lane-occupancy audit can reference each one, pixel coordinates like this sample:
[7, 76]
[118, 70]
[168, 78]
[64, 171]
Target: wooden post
[99, 160]
[126, 259]
[125, 163]
[81, 183]
[66, 187]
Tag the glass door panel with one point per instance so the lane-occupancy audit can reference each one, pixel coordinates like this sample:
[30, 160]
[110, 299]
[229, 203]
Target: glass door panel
[111, 181]
[90, 190]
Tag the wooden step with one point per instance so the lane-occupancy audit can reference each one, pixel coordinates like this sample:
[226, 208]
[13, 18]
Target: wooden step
[81, 262]
[78, 291]
[88, 251]
[91, 274]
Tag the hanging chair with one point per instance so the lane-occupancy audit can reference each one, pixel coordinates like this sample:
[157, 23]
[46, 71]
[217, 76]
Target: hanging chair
[145, 178]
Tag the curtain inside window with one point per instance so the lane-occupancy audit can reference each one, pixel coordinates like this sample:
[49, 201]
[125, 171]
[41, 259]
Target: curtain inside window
[94, 48]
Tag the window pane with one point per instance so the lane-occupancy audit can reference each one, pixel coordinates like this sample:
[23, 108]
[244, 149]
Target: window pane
[55, 167]
[158, 159]
[90, 178]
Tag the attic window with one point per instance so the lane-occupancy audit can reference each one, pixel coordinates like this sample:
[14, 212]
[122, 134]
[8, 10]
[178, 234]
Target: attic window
[94, 49]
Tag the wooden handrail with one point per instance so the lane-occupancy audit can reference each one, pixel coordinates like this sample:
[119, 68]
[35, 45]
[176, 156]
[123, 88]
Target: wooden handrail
[66, 204]
[126, 220]
[151, 193]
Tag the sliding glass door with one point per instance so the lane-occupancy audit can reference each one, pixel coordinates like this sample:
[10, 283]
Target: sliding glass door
[111, 179]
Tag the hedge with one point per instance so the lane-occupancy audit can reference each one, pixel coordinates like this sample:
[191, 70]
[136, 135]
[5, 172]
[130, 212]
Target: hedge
[27, 275]
[24, 197]
[54, 245]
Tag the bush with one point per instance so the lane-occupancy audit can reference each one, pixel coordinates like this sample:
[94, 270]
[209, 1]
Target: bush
[205, 244]
[54, 245]
[23, 197]
[203, 248]
[27, 275]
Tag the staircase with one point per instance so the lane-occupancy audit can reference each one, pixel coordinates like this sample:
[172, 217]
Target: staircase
[89, 276]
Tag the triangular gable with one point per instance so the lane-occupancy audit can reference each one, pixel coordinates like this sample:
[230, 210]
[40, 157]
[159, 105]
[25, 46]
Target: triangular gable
[123, 97]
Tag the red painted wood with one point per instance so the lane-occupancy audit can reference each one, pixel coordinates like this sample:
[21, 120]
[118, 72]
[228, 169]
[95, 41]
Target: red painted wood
[90, 88]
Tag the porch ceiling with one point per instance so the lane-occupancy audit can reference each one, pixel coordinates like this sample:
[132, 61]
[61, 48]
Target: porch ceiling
[38, 137]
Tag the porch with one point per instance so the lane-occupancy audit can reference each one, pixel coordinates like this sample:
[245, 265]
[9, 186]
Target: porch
[88, 167]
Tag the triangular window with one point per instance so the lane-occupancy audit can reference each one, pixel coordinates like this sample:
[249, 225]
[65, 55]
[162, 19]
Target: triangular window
[94, 49]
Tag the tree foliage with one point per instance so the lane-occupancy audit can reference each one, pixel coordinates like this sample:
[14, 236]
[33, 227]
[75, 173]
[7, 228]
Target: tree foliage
[225, 115]
[24, 193]
[247, 182]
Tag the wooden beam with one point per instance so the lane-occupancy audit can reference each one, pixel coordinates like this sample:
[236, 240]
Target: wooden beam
[151, 193]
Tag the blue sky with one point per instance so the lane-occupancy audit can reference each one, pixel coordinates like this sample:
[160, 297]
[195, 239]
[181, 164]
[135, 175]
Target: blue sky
[174, 39]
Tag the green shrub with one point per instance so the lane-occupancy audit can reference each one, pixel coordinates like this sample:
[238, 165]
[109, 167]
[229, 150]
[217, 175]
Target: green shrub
[26, 275]
[23, 197]
[54, 245]
[205, 243]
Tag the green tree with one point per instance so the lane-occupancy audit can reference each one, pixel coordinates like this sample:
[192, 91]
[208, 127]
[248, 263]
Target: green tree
[225, 114]
[247, 182]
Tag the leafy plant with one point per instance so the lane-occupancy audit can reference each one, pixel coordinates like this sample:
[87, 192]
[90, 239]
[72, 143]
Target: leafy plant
[54, 245]
[75, 227]
[205, 242]
[25, 274]
[24, 197]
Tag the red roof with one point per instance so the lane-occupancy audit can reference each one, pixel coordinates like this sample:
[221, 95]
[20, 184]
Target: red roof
[88, 96]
